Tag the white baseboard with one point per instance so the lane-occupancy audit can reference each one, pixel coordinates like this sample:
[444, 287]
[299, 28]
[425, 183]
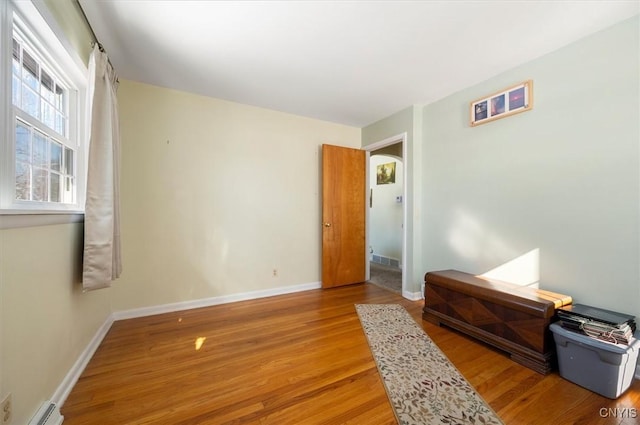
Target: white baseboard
[207, 302]
[413, 296]
[69, 381]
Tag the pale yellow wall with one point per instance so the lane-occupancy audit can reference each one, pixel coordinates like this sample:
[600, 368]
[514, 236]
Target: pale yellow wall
[46, 319]
[215, 195]
[234, 194]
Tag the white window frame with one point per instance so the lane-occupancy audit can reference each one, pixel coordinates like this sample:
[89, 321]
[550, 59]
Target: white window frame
[48, 45]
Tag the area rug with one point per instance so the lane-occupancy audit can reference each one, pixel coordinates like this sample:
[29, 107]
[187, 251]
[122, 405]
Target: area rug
[422, 384]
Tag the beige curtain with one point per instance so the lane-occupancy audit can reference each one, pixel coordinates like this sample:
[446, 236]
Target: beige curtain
[102, 260]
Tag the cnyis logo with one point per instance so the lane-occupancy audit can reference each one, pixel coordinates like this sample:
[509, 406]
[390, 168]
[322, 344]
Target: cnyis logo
[618, 412]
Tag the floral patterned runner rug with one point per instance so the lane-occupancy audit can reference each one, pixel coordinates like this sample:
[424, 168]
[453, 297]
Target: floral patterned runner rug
[422, 384]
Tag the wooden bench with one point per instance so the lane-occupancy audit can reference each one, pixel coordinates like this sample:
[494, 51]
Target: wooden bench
[510, 317]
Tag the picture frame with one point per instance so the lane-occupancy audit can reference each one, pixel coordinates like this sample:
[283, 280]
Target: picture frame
[506, 102]
[386, 173]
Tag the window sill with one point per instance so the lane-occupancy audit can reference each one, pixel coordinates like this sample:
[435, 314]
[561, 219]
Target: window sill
[16, 219]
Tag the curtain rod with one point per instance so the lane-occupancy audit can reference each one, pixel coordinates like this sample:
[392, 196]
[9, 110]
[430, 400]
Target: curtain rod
[93, 34]
[95, 38]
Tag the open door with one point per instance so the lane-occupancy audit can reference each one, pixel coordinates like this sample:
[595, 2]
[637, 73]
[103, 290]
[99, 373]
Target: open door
[343, 216]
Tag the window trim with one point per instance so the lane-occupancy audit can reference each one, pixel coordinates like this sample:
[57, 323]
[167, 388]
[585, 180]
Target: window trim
[16, 220]
[43, 34]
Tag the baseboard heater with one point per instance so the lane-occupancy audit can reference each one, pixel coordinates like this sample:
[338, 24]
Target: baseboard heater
[48, 414]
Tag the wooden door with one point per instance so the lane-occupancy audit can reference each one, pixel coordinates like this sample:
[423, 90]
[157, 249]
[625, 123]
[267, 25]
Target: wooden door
[343, 216]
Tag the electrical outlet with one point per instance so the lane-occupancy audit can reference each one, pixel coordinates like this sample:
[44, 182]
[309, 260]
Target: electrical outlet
[6, 410]
[275, 272]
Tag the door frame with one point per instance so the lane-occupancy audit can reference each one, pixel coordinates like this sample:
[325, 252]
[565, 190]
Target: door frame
[400, 138]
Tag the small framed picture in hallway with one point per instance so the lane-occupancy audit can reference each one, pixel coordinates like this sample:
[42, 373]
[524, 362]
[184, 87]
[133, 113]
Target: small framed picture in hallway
[386, 173]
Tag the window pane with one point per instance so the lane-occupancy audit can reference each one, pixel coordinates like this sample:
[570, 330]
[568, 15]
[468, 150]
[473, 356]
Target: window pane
[68, 162]
[60, 124]
[68, 190]
[23, 186]
[40, 148]
[15, 90]
[23, 135]
[40, 184]
[60, 99]
[30, 70]
[15, 67]
[15, 64]
[55, 187]
[46, 89]
[48, 115]
[16, 49]
[30, 102]
[56, 156]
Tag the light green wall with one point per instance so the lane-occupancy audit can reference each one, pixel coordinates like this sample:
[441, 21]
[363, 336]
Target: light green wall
[400, 122]
[563, 177]
[408, 120]
[215, 195]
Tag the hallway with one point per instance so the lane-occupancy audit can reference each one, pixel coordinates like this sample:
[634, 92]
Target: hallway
[386, 277]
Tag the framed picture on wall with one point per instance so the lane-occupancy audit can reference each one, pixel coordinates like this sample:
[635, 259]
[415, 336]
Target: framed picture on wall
[510, 101]
[386, 173]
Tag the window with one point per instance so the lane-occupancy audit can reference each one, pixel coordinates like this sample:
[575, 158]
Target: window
[44, 154]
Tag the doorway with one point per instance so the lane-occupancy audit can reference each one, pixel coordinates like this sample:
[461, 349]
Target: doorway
[386, 213]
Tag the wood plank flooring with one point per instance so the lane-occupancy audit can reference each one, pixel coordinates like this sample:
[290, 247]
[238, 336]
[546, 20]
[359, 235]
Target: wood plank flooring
[298, 359]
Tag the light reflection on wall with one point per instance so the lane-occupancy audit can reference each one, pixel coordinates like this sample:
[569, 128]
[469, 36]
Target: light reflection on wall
[465, 235]
[523, 270]
[471, 240]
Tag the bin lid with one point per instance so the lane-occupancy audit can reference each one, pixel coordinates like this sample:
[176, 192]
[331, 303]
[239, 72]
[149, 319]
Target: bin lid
[599, 314]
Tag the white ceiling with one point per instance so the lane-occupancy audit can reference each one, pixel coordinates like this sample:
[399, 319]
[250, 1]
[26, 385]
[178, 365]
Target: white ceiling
[350, 62]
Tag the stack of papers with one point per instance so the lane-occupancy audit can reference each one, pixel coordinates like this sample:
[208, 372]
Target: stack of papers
[598, 323]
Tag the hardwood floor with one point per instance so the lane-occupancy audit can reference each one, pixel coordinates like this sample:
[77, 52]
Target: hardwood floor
[298, 359]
